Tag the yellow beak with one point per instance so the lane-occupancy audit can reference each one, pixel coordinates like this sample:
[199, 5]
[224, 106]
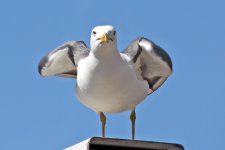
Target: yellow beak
[104, 38]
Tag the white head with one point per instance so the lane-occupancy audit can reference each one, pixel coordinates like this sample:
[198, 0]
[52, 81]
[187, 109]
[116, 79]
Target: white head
[102, 37]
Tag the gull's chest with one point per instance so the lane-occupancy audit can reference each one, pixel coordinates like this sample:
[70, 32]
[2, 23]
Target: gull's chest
[109, 86]
[99, 76]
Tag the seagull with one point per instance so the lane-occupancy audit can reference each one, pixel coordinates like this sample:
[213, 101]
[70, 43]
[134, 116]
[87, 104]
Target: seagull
[109, 81]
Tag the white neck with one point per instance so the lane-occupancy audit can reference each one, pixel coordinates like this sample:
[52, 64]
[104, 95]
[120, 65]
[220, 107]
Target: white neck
[103, 53]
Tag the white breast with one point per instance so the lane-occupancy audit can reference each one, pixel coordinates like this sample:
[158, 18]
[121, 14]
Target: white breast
[109, 85]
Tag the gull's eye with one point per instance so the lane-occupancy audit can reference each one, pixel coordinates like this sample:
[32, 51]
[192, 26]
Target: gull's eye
[94, 33]
[114, 32]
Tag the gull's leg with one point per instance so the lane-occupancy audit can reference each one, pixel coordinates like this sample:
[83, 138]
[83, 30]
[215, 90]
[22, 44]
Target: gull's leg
[103, 120]
[133, 118]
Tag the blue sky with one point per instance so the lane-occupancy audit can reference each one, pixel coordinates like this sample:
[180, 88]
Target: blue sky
[43, 113]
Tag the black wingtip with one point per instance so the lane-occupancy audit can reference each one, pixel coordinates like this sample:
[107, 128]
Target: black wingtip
[82, 43]
[140, 39]
[42, 64]
[138, 51]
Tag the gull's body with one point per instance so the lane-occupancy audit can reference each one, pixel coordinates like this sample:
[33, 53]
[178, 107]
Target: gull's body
[104, 80]
[107, 80]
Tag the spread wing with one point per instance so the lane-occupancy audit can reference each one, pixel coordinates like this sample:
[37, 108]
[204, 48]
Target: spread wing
[63, 60]
[150, 60]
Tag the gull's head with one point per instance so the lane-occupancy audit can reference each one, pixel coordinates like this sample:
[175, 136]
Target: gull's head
[103, 36]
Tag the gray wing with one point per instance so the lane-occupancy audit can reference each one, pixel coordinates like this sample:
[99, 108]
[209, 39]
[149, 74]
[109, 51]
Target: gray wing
[150, 60]
[63, 60]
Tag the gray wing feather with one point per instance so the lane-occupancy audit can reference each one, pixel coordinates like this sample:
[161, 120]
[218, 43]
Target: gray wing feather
[63, 60]
[150, 60]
